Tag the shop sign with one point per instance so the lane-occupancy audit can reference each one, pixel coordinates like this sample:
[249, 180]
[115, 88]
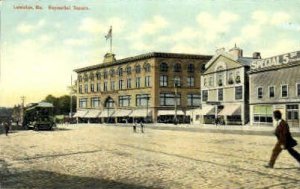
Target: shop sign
[276, 60]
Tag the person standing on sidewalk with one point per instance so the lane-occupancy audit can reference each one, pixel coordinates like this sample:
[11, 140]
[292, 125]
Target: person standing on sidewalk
[284, 140]
[134, 127]
[142, 127]
[6, 127]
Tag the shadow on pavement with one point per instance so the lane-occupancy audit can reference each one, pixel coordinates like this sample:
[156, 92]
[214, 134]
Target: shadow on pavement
[47, 179]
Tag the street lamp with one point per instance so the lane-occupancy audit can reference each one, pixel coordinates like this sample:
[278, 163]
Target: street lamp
[147, 98]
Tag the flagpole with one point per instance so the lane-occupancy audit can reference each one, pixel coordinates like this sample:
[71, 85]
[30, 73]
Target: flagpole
[111, 40]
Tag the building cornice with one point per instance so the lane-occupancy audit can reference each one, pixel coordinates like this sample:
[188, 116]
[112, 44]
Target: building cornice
[272, 68]
[143, 57]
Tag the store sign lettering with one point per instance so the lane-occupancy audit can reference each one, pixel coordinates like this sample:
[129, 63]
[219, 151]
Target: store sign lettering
[276, 60]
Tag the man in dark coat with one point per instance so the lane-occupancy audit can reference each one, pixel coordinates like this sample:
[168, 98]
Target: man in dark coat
[284, 140]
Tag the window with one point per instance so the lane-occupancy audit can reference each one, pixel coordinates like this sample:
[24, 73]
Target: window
[128, 70]
[191, 81]
[137, 69]
[142, 99]
[82, 102]
[220, 79]
[98, 87]
[124, 101]
[284, 91]
[86, 88]
[109, 103]
[237, 77]
[112, 85]
[85, 77]
[168, 99]
[238, 93]
[272, 92]
[220, 94]
[80, 89]
[177, 67]
[95, 101]
[129, 83]
[80, 78]
[105, 86]
[120, 71]
[298, 89]
[230, 78]
[259, 92]
[205, 82]
[121, 84]
[138, 82]
[98, 75]
[177, 81]
[92, 87]
[263, 114]
[92, 76]
[147, 81]
[191, 68]
[211, 81]
[163, 67]
[163, 80]
[112, 72]
[193, 99]
[204, 95]
[105, 74]
[147, 67]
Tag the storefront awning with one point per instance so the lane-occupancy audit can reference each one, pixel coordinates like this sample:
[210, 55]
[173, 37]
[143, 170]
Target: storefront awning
[92, 114]
[207, 110]
[122, 113]
[192, 112]
[107, 113]
[169, 112]
[80, 113]
[140, 113]
[228, 110]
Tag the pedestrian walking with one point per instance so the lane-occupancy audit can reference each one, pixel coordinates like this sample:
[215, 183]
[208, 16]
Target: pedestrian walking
[134, 127]
[142, 127]
[6, 127]
[284, 140]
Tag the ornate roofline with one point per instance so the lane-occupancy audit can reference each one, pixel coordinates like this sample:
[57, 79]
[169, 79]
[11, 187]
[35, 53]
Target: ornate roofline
[145, 56]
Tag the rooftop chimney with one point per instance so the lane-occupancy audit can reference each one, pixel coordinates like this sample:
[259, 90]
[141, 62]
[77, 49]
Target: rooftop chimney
[236, 52]
[256, 55]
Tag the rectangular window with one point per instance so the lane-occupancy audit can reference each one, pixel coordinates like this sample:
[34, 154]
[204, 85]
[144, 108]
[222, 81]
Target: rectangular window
[284, 91]
[168, 99]
[220, 94]
[194, 99]
[191, 81]
[238, 93]
[112, 85]
[121, 85]
[82, 102]
[147, 81]
[298, 89]
[138, 82]
[124, 101]
[98, 87]
[211, 81]
[163, 80]
[263, 114]
[95, 101]
[86, 88]
[259, 92]
[80, 89]
[204, 95]
[92, 87]
[105, 86]
[177, 82]
[129, 83]
[142, 99]
[272, 92]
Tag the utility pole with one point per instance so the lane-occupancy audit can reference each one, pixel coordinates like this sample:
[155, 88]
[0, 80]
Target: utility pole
[22, 110]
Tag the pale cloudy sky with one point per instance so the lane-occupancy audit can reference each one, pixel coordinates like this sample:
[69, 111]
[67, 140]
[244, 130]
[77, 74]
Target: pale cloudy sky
[40, 48]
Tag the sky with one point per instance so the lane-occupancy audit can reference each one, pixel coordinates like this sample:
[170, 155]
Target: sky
[40, 48]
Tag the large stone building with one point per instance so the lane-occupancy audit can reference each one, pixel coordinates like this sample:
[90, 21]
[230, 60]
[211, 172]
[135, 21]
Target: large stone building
[275, 85]
[139, 87]
[225, 88]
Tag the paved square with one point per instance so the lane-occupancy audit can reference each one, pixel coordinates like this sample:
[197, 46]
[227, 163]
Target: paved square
[98, 156]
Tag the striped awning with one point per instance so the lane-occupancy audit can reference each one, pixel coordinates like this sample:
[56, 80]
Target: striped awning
[169, 112]
[140, 113]
[231, 109]
[107, 113]
[207, 110]
[80, 113]
[122, 113]
[92, 114]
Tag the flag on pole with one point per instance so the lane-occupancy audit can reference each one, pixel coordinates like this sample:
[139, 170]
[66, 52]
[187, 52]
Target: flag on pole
[109, 34]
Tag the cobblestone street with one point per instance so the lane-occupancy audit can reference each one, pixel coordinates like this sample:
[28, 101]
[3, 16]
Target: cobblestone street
[115, 157]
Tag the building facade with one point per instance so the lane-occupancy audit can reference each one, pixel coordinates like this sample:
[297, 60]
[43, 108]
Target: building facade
[156, 87]
[275, 85]
[225, 89]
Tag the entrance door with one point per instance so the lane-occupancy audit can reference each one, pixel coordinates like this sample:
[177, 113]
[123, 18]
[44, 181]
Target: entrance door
[293, 115]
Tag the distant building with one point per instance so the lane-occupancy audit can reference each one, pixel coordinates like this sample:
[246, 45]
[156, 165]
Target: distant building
[225, 89]
[275, 85]
[139, 87]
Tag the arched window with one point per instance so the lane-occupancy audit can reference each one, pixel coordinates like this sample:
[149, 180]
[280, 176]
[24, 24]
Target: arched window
[137, 69]
[128, 70]
[177, 67]
[147, 67]
[109, 103]
[163, 67]
[191, 68]
[120, 71]
[112, 72]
